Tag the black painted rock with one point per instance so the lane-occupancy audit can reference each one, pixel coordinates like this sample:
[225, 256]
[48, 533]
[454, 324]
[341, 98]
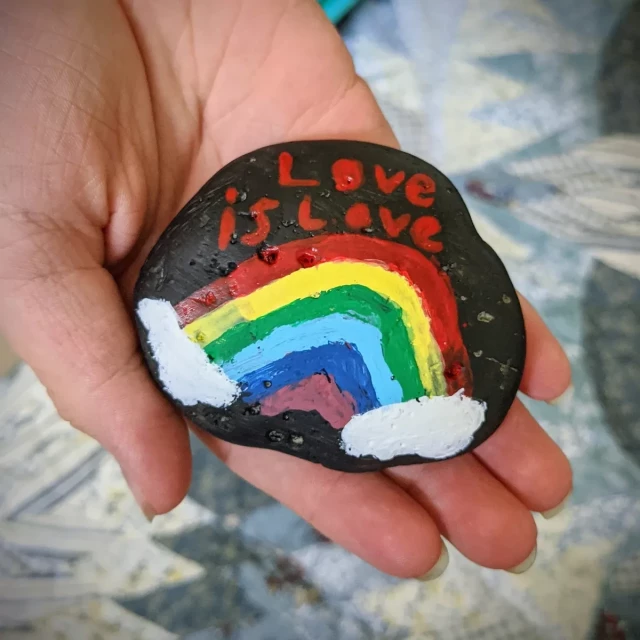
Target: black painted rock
[332, 300]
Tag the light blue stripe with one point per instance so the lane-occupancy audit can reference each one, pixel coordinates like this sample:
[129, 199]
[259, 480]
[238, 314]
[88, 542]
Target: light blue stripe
[335, 328]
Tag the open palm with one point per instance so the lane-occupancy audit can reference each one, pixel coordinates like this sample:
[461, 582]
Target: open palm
[112, 115]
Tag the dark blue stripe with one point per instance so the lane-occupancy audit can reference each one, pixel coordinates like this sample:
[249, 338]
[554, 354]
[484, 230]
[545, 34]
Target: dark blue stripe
[343, 363]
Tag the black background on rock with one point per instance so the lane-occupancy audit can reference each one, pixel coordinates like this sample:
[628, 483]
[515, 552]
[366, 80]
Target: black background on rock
[186, 258]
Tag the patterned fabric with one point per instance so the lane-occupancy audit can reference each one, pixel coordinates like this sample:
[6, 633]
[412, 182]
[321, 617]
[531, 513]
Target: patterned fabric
[531, 106]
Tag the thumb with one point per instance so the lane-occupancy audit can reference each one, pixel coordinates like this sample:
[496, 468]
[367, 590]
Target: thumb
[65, 317]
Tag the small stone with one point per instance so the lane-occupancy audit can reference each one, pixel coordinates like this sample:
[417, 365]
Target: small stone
[229, 268]
[268, 253]
[296, 440]
[308, 258]
[483, 316]
[279, 217]
[252, 409]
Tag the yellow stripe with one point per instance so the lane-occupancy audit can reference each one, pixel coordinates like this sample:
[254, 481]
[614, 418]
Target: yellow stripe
[305, 283]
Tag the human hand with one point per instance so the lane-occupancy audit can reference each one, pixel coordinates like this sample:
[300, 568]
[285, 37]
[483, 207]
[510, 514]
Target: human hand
[112, 115]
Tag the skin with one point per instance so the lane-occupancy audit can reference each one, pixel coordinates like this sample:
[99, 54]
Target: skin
[112, 115]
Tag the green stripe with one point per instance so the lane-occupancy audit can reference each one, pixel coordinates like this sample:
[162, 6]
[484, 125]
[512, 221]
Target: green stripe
[354, 301]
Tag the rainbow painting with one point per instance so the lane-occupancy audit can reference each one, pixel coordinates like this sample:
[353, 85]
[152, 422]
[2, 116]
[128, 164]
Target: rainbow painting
[363, 331]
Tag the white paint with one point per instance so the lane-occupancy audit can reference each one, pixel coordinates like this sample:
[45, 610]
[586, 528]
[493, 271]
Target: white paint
[436, 427]
[183, 367]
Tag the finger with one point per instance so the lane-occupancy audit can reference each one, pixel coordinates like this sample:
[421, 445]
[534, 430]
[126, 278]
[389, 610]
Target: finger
[366, 513]
[72, 328]
[547, 372]
[527, 461]
[472, 509]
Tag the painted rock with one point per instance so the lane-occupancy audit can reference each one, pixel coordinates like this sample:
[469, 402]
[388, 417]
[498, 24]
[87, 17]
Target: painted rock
[332, 300]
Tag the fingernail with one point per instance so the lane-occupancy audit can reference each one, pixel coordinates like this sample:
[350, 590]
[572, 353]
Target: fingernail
[148, 511]
[564, 399]
[556, 510]
[439, 567]
[527, 564]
